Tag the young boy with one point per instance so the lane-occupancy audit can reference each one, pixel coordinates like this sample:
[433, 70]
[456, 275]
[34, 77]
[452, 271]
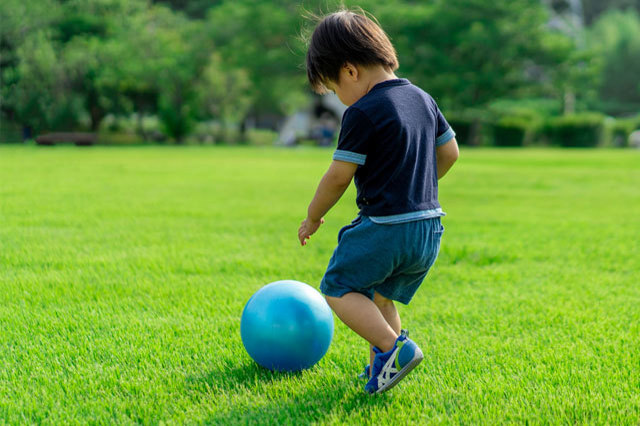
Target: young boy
[397, 144]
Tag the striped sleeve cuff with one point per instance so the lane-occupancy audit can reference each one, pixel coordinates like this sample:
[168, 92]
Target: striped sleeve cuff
[445, 137]
[349, 157]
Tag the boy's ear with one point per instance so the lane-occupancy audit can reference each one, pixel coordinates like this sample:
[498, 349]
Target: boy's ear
[351, 71]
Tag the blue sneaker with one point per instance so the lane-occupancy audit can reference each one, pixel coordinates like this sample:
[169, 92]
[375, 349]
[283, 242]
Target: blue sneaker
[366, 374]
[391, 367]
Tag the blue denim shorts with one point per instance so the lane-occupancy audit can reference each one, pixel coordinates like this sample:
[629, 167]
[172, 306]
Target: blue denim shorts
[390, 259]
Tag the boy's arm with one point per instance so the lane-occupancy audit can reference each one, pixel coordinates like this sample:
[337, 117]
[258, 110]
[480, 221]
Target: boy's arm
[446, 155]
[331, 187]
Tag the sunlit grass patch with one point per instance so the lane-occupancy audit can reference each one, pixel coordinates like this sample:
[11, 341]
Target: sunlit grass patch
[124, 272]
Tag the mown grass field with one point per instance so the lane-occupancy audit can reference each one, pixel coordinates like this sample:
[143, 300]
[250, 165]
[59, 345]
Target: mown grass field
[124, 271]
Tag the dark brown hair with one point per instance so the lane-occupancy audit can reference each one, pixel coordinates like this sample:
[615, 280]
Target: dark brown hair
[346, 36]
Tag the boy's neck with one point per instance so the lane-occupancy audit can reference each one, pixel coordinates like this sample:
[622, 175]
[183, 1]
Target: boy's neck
[377, 75]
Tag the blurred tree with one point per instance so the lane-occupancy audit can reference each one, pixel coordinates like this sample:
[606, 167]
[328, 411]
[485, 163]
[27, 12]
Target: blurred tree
[67, 62]
[594, 8]
[70, 52]
[263, 38]
[224, 94]
[179, 53]
[86, 63]
[468, 52]
[19, 21]
[574, 79]
[160, 57]
[141, 51]
[572, 75]
[86, 29]
[196, 9]
[40, 96]
[616, 37]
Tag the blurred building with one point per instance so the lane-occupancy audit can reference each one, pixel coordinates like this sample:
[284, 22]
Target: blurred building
[319, 122]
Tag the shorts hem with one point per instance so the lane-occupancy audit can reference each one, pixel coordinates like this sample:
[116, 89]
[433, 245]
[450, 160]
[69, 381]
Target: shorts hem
[338, 292]
[403, 300]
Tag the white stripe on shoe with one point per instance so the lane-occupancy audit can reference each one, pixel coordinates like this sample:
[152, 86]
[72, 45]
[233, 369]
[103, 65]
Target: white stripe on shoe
[387, 370]
[388, 382]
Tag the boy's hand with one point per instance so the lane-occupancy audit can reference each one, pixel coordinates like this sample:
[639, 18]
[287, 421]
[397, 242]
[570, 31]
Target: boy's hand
[308, 227]
[331, 187]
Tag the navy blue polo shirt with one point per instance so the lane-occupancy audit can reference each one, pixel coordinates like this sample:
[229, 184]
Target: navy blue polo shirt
[392, 133]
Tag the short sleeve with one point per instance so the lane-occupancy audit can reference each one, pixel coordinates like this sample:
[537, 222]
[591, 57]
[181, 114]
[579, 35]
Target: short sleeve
[355, 137]
[444, 132]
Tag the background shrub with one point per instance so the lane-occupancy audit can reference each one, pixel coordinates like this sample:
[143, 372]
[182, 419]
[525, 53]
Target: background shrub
[517, 128]
[468, 126]
[619, 130]
[261, 137]
[510, 131]
[576, 130]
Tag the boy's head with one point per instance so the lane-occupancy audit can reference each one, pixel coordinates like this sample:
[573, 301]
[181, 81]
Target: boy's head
[346, 37]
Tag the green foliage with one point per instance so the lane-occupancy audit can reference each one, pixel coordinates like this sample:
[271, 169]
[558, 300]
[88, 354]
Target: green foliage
[511, 131]
[594, 8]
[616, 37]
[176, 114]
[69, 64]
[223, 94]
[528, 107]
[462, 125]
[166, 52]
[194, 8]
[261, 137]
[469, 125]
[263, 39]
[20, 19]
[40, 93]
[577, 130]
[573, 78]
[9, 132]
[618, 131]
[64, 66]
[517, 123]
[467, 52]
[80, 25]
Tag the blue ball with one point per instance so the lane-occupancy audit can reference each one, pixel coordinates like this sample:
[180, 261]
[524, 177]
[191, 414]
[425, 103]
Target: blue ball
[286, 326]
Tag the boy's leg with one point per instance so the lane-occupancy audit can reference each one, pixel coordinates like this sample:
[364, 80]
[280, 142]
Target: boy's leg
[388, 310]
[362, 315]
[390, 313]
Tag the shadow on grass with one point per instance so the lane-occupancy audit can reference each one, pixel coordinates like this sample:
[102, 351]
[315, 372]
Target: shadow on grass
[238, 377]
[255, 395]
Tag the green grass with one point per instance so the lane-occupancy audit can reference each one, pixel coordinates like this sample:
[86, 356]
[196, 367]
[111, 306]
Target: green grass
[123, 273]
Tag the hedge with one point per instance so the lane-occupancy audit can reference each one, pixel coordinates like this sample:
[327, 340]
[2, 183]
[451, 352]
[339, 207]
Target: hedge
[576, 130]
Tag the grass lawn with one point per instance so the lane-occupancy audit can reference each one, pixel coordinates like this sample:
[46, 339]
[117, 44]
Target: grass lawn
[124, 271]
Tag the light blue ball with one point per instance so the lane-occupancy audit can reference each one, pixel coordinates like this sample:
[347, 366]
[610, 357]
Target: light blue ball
[286, 326]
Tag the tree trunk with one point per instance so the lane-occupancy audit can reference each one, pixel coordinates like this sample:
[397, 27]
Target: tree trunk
[569, 102]
[474, 132]
[97, 114]
[27, 133]
[139, 127]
